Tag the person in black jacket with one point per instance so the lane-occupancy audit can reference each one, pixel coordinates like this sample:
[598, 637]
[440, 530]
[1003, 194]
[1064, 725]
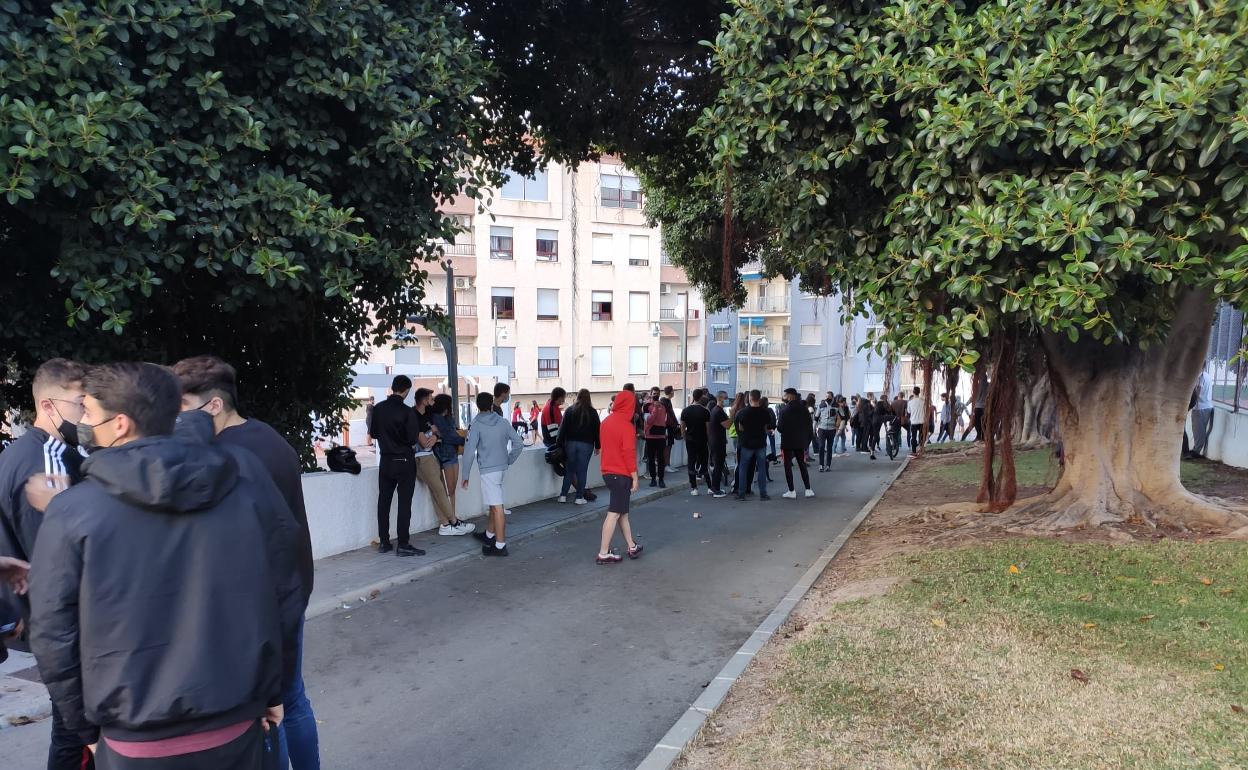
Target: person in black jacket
[165, 600]
[43, 461]
[210, 387]
[578, 435]
[796, 432]
[396, 429]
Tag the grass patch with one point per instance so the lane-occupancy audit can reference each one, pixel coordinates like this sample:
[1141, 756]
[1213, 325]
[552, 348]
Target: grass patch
[1033, 468]
[968, 665]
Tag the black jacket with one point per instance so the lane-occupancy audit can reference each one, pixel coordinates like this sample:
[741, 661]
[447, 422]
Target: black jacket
[395, 427]
[796, 429]
[164, 594]
[580, 424]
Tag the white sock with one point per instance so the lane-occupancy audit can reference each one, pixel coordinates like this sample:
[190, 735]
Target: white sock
[499, 545]
[489, 534]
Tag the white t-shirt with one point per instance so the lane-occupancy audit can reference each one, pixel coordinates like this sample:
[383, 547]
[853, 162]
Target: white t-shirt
[1204, 400]
[914, 408]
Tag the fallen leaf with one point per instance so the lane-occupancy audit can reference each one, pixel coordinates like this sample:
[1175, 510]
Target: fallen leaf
[1079, 676]
[1202, 624]
[1160, 581]
[1146, 618]
[1206, 581]
[1089, 625]
[1014, 570]
[374, 593]
[18, 721]
[938, 622]
[1224, 591]
[1085, 598]
[1237, 709]
[1219, 667]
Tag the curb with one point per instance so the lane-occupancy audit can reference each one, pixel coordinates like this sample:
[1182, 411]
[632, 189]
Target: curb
[673, 744]
[334, 603]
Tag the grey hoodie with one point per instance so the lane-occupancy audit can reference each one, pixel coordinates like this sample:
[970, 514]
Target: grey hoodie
[492, 443]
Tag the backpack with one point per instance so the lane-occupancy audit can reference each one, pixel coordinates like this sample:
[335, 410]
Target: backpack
[341, 459]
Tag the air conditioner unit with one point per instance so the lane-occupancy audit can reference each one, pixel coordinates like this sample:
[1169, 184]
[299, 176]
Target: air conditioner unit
[463, 282]
[665, 288]
[435, 343]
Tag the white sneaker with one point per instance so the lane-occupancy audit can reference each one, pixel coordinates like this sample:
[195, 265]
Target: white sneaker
[563, 498]
[581, 501]
[810, 493]
[693, 492]
[462, 528]
[506, 511]
[791, 495]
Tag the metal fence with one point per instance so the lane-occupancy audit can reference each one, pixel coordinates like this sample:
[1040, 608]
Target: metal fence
[1226, 364]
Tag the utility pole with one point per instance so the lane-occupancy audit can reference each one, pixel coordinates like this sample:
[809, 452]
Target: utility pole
[684, 355]
[446, 333]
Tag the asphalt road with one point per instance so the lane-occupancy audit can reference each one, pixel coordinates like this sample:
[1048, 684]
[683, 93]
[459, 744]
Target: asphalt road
[545, 660]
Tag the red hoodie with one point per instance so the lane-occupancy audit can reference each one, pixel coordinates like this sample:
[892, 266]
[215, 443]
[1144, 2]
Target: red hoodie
[619, 437]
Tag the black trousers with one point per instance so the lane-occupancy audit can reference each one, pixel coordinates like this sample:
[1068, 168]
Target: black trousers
[395, 473]
[916, 433]
[66, 751]
[697, 456]
[247, 752]
[718, 461]
[655, 464]
[789, 456]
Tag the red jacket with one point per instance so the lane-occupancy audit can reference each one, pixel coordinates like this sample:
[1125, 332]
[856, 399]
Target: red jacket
[619, 437]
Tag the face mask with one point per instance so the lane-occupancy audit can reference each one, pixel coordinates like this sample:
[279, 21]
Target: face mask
[86, 436]
[67, 429]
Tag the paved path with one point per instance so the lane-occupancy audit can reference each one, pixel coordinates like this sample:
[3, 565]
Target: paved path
[545, 660]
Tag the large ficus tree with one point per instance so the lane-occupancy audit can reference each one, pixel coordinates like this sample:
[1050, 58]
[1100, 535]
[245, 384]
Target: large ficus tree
[255, 179]
[1072, 171]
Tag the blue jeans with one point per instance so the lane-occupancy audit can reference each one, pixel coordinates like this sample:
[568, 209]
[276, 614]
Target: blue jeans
[839, 435]
[754, 461]
[297, 741]
[576, 455]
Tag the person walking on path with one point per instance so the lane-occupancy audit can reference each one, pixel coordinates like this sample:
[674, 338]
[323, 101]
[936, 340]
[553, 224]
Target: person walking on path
[495, 446]
[695, 422]
[396, 430]
[753, 424]
[44, 460]
[901, 412]
[210, 387]
[429, 470]
[1202, 415]
[448, 447]
[656, 443]
[825, 430]
[165, 598]
[946, 415]
[578, 435]
[619, 473]
[917, 419]
[795, 431]
[717, 445]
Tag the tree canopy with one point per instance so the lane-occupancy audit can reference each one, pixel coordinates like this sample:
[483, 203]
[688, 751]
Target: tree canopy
[253, 179]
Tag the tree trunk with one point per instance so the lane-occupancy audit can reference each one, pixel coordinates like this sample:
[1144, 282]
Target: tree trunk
[1120, 420]
[1035, 412]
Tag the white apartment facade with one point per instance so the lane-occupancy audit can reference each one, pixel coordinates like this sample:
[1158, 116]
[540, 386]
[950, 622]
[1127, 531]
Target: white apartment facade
[562, 281]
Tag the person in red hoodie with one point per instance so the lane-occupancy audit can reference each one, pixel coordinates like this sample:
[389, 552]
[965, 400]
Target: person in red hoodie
[619, 473]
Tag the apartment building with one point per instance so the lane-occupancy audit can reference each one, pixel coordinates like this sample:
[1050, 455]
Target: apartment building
[562, 282]
[786, 337]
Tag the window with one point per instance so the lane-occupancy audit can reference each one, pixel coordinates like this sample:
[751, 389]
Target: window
[719, 374]
[638, 306]
[600, 362]
[525, 188]
[501, 243]
[638, 359]
[809, 382]
[665, 259]
[639, 250]
[547, 362]
[503, 302]
[548, 304]
[620, 191]
[435, 343]
[604, 243]
[721, 333]
[812, 334]
[548, 245]
[600, 306]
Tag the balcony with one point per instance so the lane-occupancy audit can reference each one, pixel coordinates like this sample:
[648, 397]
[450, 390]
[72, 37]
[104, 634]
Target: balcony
[766, 305]
[666, 367]
[463, 257]
[465, 322]
[673, 314]
[760, 349]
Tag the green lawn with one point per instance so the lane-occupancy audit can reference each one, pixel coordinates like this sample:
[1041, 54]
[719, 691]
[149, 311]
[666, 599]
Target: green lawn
[1022, 654]
[1038, 467]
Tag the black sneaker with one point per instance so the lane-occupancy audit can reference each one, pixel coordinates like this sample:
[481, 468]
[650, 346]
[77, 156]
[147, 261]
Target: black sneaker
[408, 550]
[635, 553]
[740, 498]
[385, 548]
[718, 495]
[483, 537]
[590, 496]
[662, 484]
[764, 497]
[653, 483]
[489, 549]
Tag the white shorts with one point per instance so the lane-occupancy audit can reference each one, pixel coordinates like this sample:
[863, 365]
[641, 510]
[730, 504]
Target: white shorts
[492, 488]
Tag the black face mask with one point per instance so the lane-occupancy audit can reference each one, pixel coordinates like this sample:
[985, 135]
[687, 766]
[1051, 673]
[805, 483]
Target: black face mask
[67, 429]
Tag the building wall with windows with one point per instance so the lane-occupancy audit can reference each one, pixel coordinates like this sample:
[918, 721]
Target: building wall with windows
[721, 352]
[562, 280]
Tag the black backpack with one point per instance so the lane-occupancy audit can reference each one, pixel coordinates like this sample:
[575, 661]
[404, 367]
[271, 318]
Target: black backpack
[342, 459]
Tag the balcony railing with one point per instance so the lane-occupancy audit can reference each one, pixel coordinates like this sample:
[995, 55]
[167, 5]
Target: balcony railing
[763, 349]
[459, 249]
[778, 304]
[667, 367]
[461, 311]
[673, 314]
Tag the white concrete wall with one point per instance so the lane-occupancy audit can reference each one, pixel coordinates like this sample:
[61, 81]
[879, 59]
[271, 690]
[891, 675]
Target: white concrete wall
[342, 508]
[1229, 441]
